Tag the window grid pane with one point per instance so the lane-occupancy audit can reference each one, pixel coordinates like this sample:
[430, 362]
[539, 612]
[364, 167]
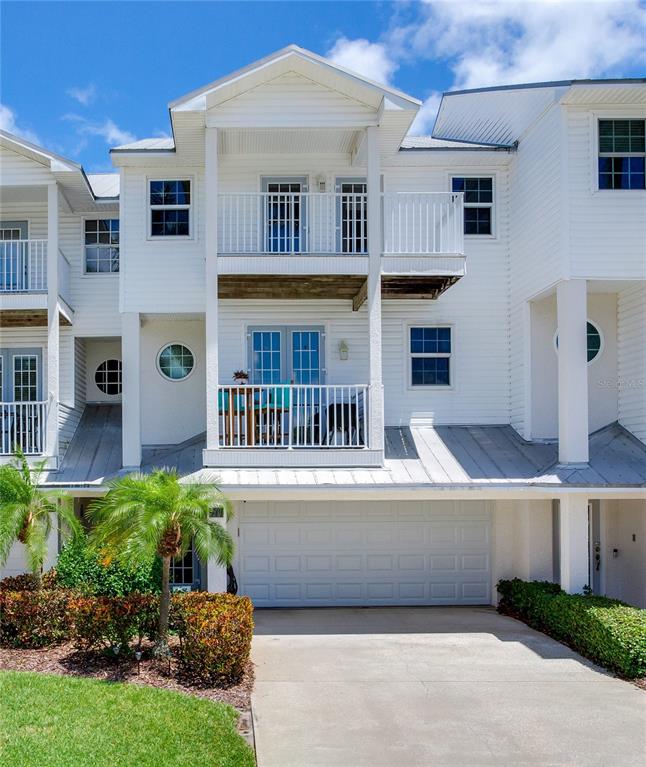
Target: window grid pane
[102, 246]
[478, 202]
[306, 357]
[108, 377]
[622, 154]
[430, 349]
[25, 378]
[266, 368]
[176, 362]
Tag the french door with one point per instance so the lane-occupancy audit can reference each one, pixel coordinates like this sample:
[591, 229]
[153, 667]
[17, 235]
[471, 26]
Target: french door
[13, 263]
[352, 216]
[286, 355]
[285, 215]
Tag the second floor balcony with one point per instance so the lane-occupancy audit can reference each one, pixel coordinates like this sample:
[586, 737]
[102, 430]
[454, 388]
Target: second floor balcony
[23, 281]
[335, 223]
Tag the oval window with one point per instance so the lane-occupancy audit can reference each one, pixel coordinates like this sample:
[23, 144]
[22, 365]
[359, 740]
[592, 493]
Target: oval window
[108, 377]
[175, 362]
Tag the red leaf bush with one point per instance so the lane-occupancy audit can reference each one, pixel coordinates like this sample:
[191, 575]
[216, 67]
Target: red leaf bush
[101, 622]
[216, 632]
[28, 582]
[31, 619]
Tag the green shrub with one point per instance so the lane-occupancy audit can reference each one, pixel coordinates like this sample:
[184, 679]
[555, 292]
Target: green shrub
[101, 622]
[28, 582]
[34, 618]
[216, 632]
[80, 567]
[607, 631]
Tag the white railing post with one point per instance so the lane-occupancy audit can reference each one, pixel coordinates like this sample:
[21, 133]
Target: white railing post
[53, 333]
[376, 417]
[212, 202]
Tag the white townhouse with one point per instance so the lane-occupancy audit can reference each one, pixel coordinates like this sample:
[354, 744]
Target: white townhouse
[415, 364]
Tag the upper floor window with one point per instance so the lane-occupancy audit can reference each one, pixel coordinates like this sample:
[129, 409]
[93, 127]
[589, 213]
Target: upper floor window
[170, 208]
[622, 154]
[478, 203]
[430, 356]
[101, 245]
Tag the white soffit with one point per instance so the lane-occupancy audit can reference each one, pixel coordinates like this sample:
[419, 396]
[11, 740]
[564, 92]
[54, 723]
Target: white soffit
[624, 94]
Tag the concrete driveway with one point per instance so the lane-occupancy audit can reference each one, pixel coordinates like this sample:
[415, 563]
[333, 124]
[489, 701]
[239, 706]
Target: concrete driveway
[400, 687]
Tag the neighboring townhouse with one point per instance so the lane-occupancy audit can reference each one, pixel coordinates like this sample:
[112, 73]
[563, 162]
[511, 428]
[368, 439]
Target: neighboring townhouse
[415, 364]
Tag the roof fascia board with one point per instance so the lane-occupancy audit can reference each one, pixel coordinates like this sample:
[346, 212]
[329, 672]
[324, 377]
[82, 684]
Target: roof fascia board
[279, 56]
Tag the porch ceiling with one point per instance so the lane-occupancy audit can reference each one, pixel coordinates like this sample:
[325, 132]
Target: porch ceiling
[288, 141]
[345, 286]
[28, 318]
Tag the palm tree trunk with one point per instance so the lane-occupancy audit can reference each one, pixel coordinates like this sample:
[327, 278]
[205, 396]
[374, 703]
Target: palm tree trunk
[164, 607]
[38, 578]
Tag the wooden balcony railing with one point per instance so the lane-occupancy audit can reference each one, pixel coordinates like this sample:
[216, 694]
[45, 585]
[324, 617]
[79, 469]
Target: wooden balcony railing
[293, 416]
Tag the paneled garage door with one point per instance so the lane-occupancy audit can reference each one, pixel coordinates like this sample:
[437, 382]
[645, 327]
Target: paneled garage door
[306, 554]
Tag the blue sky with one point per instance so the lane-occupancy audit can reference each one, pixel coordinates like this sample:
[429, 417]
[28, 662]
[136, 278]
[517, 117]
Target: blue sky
[79, 77]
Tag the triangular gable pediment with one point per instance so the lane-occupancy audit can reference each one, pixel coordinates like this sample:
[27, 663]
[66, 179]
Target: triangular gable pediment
[290, 99]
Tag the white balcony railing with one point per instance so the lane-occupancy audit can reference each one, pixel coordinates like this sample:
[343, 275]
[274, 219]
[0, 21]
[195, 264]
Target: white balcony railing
[23, 266]
[293, 416]
[265, 223]
[22, 424]
[423, 224]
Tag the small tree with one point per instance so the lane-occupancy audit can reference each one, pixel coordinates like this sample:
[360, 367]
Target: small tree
[143, 516]
[27, 512]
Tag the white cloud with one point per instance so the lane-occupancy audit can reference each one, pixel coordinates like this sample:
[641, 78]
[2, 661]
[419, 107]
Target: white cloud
[9, 123]
[495, 42]
[106, 129]
[425, 118]
[84, 96]
[372, 60]
[498, 42]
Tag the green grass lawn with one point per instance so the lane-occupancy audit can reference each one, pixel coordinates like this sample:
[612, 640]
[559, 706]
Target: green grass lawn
[54, 721]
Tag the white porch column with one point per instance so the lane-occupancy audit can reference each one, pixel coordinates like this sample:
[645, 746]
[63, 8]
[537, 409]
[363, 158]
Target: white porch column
[131, 389]
[53, 327]
[571, 301]
[376, 399]
[211, 284]
[573, 542]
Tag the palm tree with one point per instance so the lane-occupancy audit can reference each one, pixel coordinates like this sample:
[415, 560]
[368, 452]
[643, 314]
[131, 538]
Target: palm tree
[148, 515]
[27, 512]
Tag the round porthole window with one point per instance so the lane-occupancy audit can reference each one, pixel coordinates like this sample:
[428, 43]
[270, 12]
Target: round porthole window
[594, 341]
[108, 377]
[175, 362]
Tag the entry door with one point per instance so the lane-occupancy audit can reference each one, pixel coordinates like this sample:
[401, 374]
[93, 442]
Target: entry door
[285, 215]
[13, 264]
[286, 355]
[352, 216]
[594, 538]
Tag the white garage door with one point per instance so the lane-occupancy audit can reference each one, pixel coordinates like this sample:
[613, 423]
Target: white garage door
[411, 553]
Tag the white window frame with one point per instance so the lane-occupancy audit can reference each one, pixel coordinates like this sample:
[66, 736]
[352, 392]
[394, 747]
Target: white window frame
[100, 217]
[493, 205]
[149, 208]
[608, 114]
[23, 355]
[161, 372]
[409, 356]
[120, 377]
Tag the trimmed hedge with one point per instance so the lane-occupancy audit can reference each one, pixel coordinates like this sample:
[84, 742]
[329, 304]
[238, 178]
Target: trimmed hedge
[605, 630]
[32, 619]
[216, 632]
[28, 582]
[80, 567]
[102, 622]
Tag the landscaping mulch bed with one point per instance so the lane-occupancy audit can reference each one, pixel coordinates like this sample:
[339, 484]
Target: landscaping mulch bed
[67, 660]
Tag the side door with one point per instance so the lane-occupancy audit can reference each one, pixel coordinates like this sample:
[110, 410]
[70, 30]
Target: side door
[352, 215]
